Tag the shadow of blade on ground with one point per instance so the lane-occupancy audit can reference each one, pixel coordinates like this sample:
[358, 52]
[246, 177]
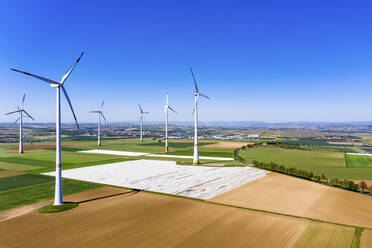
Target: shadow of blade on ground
[129, 193]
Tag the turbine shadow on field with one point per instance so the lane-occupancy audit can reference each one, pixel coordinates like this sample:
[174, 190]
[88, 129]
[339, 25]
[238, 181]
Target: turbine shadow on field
[129, 193]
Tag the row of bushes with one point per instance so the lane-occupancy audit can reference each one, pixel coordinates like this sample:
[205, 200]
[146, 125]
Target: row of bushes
[308, 175]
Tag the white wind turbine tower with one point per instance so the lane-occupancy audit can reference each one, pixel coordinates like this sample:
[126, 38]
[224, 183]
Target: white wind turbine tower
[141, 120]
[166, 107]
[58, 198]
[99, 113]
[20, 119]
[195, 112]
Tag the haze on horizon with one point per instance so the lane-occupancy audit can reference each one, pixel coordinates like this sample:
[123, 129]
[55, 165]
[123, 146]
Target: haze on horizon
[269, 61]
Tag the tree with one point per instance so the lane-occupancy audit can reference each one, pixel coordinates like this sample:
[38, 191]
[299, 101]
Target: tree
[363, 186]
[324, 178]
[370, 189]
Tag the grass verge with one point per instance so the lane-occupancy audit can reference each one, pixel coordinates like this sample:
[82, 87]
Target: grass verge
[50, 208]
[356, 239]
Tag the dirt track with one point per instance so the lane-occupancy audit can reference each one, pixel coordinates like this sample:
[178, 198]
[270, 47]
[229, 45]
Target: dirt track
[290, 195]
[149, 220]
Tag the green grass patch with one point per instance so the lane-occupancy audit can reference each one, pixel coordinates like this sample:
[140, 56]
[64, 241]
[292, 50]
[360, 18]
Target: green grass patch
[358, 161]
[184, 162]
[50, 208]
[7, 183]
[356, 239]
[30, 194]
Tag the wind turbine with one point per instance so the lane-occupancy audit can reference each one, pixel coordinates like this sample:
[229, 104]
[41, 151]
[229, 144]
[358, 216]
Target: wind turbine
[58, 85]
[20, 119]
[195, 113]
[100, 113]
[141, 120]
[166, 107]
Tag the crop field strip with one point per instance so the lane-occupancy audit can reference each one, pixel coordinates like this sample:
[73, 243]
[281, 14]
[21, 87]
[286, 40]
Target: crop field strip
[366, 239]
[323, 235]
[358, 161]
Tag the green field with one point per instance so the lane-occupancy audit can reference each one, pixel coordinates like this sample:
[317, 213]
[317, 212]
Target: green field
[15, 193]
[358, 161]
[319, 161]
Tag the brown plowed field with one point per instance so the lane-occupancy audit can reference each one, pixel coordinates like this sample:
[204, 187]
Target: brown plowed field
[130, 219]
[366, 240]
[225, 144]
[290, 195]
[37, 147]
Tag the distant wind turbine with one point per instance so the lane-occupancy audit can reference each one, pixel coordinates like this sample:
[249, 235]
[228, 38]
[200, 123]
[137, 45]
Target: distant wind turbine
[58, 198]
[100, 113]
[141, 120]
[21, 111]
[166, 107]
[195, 113]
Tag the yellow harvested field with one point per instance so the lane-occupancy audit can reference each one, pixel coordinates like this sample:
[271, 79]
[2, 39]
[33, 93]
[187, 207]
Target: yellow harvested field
[366, 239]
[322, 235]
[113, 217]
[226, 144]
[8, 173]
[285, 194]
[346, 143]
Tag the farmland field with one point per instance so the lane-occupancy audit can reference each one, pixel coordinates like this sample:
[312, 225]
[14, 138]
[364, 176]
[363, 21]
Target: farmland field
[366, 239]
[322, 235]
[319, 161]
[113, 217]
[290, 195]
[358, 161]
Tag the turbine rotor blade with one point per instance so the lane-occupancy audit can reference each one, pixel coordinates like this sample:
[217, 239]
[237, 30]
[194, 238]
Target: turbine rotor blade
[49, 81]
[94, 111]
[193, 76]
[103, 116]
[146, 112]
[103, 102]
[17, 120]
[23, 100]
[71, 69]
[140, 108]
[172, 109]
[12, 112]
[204, 95]
[28, 115]
[69, 103]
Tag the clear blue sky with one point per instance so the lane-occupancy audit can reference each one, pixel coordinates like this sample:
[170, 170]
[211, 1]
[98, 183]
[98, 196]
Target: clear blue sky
[257, 60]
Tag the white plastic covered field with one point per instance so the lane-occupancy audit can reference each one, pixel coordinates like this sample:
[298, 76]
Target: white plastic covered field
[167, 177]
[136, 154]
